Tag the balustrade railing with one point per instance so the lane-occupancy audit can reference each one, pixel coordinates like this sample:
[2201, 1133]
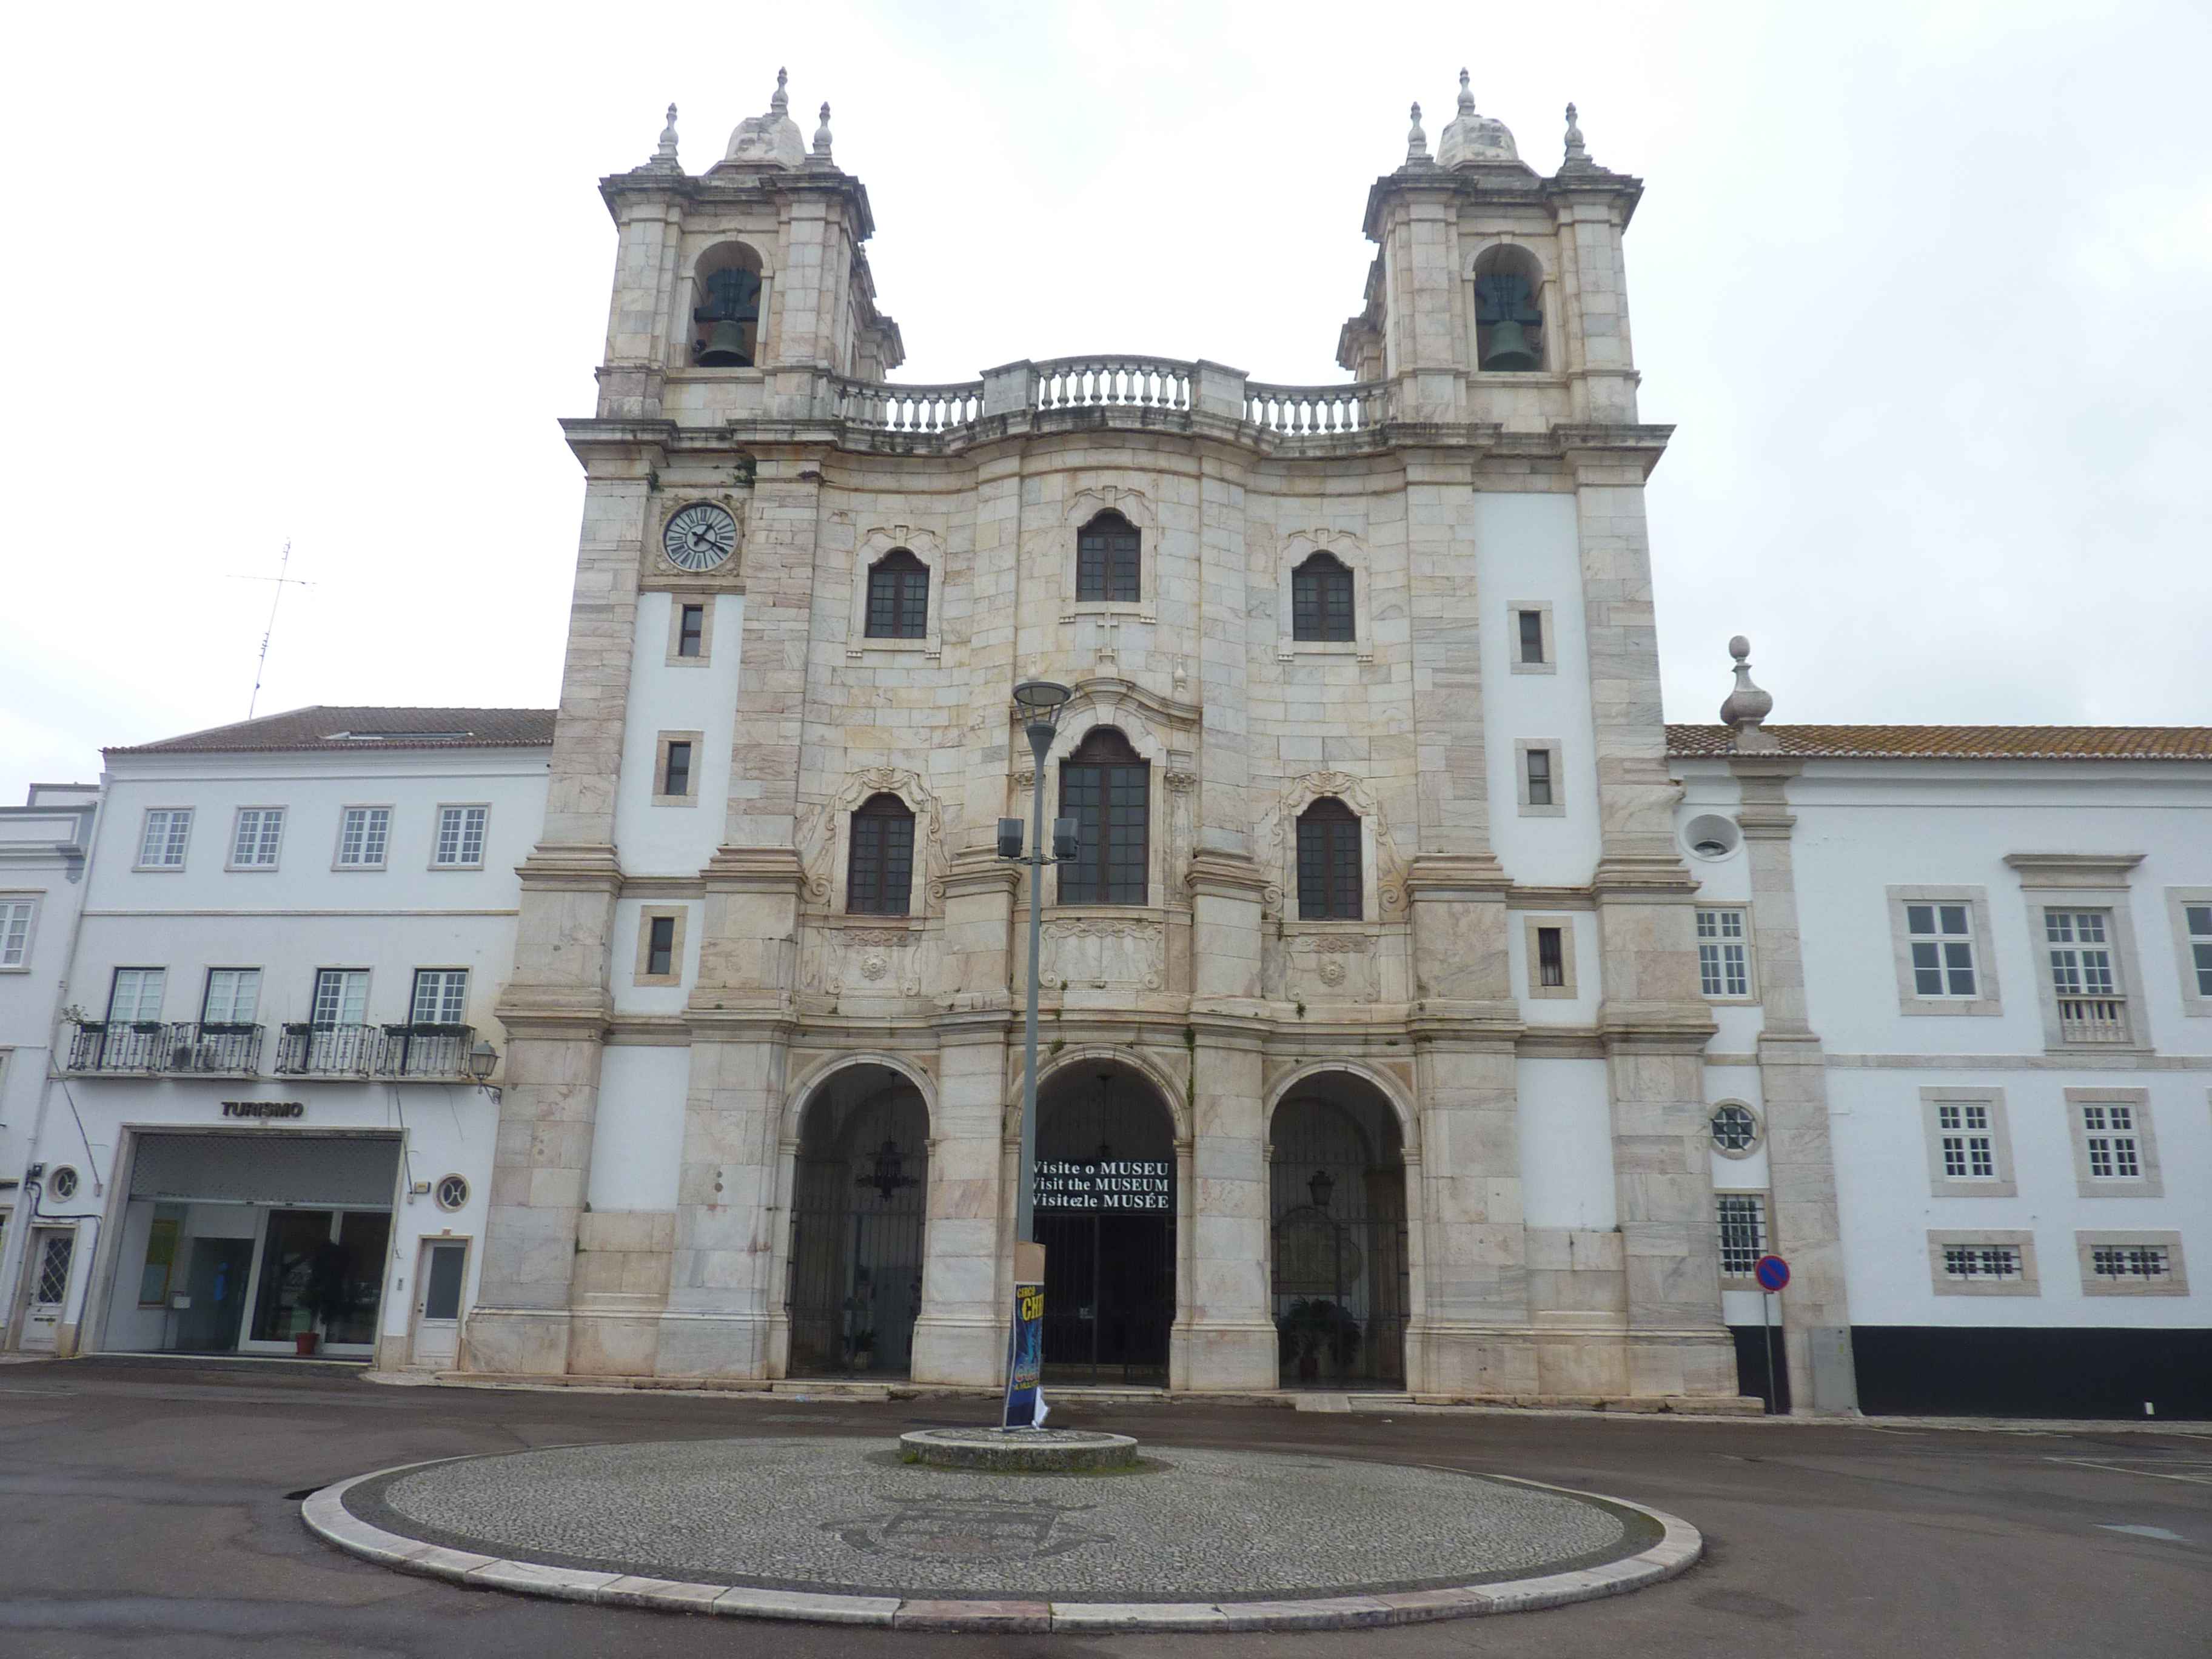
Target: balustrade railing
[120, 1046]
[425, 1051]
[1304, 411]
[2094, 1020]
[919, 408]
[328, 1050]
[179, 1046]
[1114, 383]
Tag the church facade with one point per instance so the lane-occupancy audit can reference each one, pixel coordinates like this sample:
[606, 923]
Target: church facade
[1373, 1039]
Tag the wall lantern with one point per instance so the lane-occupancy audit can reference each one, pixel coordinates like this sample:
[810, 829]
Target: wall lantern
[1320, 1187]
[482, 1059]
[889, 1175]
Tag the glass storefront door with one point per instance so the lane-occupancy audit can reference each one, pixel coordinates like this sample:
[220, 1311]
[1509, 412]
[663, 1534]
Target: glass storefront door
[320, 1271]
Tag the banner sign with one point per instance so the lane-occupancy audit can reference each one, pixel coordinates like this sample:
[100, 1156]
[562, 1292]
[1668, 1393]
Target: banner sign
[1025, 1358]
[1115, 1184]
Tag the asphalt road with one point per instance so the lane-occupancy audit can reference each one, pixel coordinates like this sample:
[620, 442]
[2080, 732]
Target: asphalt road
[143, 1511]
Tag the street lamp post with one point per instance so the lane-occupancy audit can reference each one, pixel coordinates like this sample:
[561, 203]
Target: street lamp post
[1040, 701]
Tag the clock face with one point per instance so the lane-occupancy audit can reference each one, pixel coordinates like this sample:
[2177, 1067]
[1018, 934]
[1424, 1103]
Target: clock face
[700, 537]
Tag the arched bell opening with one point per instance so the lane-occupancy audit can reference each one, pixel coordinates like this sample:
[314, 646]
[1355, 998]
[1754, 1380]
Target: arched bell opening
[725, 307]
[1509, 311]
[859, 1214]
[1106, 1216]
[1342, 1281]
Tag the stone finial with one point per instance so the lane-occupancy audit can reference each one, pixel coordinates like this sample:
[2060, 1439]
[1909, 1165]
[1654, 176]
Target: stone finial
[666, 154]
[1578, 159]
[1466, 96]
[822, 137]
[1746, 705]
[1417, 142]
[780, 103]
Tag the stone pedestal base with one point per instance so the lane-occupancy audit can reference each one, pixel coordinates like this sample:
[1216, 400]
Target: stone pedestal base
[1473, 1362]
[516, 1341]
[972, 1353]
[1020, 1451]
[1223, 1358]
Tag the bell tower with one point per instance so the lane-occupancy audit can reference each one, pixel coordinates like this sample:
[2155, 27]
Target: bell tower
[1497, 293]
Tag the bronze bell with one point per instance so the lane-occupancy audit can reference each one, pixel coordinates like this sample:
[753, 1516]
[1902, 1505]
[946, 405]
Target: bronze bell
[1508, 348]
[725, 347]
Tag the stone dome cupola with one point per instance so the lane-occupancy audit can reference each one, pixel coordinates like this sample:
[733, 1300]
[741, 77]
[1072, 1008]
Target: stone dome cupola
[1474, 141]
[770, 140]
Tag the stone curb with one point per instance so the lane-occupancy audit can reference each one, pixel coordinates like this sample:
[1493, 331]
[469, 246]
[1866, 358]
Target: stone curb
[1681, 1544]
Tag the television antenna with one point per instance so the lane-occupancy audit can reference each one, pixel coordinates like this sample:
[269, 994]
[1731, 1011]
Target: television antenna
[281, 581]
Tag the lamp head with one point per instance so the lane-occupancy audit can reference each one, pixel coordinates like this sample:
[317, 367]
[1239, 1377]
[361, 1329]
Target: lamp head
[481, 1059]
[1041, 699]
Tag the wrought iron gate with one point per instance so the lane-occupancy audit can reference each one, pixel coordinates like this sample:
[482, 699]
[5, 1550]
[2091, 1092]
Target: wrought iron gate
[1108, 1296]
[1342, 1287]
[860, 1207]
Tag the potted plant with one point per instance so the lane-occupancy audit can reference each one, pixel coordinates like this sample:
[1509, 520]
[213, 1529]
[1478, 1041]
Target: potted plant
[1312, 1327]
[325, 1299]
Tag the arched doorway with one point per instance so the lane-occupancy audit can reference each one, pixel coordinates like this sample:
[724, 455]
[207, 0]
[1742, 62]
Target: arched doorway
[859, 1203]
[1342, 1284]
[1106, 1217]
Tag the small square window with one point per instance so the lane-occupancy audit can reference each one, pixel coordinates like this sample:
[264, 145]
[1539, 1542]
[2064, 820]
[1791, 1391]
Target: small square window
[1941, 937]
[1969, 1146]
[161, 847]
[364, 833]
[460, 839]
[2115, 1153]
[260, 832]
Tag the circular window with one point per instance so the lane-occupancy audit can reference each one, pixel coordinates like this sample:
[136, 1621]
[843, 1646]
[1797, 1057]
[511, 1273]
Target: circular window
[452, 1193]
[1735, 1129]
[63, 1182]
[1710, 835]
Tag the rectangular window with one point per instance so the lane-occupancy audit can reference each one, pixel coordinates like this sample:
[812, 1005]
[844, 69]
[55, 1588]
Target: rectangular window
[1743, 1232]
[1723, 954]
[260, 830]
[1941, 937]
[161, 1235]
[1551, 956]
[364, 834]
[1539, 777]
[135, 998]
[676, 770]
[2127, 1261]
[2081, 953]
[460, 840]
[1990, 1263]
[1532, 635]
[341, 996]
[233, 996]
[1969, 1154]
[2108, 1131]
[660, 947]
[691, 631]
[441, 997]
[2198, 919]
[167, 830]
[15, 916]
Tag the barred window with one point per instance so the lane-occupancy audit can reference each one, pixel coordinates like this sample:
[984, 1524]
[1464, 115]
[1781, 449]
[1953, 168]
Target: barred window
[1108, 551]
[1982, 1262]
[1321, 599]
[1328, 862]
[1723, 954]
[1743, 1232]
[880, 876]
[898, 597]
[2127, 1261]
[1105, 786]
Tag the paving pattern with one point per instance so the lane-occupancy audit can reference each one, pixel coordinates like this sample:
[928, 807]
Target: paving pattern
[847, 1517]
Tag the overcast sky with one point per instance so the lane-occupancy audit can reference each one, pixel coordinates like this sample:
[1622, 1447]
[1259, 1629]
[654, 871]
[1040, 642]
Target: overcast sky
[1924, 288]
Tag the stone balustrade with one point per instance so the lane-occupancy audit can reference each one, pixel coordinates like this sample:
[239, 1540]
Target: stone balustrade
[889, 408]
[1310, 410]
[1115, 382]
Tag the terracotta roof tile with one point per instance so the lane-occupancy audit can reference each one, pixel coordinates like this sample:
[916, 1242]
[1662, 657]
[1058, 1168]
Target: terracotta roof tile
[1962, 742]
[325, 726]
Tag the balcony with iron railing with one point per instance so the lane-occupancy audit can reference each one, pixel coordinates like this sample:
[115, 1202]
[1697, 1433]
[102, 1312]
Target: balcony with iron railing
[380, 1051]
[164, 1049]
[1129, 390]
[425, 1051]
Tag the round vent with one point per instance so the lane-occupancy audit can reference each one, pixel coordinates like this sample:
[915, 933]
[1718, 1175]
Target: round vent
[1711, 837]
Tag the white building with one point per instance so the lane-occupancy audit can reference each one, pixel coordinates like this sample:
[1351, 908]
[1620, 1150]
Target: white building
[1963, 981]
[45, 846]
[258, 1119]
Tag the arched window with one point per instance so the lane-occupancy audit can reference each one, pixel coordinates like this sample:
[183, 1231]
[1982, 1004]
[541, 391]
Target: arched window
[1321, 599]
[1328, 862]
[1107, 552]
[880, 876]
[1106, 788]
[898, 597]
[1509, 311]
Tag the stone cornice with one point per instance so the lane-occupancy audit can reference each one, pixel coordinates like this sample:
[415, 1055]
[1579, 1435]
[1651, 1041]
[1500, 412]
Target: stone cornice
[2096, 871]
[619, 449]
[1456, 875]
[571, 867]
[1656, 1027]
[755, 870]
[1487, 189]
[716, 188]
[1661, 876]
[1589, 447]
[1217, 874]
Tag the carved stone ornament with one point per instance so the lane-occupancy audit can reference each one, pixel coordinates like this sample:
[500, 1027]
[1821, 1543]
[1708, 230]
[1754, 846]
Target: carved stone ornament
[1182, 782]
[1279, 830]
[823, 823]
[874, 966]
[1100, 951]
[1332, 974]
[1025, 780]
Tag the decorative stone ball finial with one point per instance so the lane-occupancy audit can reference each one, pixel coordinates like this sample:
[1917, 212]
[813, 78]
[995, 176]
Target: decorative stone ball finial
[1466, 96]
[668, 150]
[1417, 142]
[822, 136]
[1746, 705]
[782, 102]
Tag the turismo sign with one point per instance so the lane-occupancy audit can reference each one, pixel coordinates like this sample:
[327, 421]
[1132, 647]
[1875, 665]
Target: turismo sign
[1115, 1184]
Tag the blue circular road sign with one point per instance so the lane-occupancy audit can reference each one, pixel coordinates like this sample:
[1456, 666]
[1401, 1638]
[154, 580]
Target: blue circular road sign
[1773, 1272]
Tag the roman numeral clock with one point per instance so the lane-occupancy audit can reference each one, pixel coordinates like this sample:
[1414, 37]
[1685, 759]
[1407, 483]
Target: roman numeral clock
[700, 537]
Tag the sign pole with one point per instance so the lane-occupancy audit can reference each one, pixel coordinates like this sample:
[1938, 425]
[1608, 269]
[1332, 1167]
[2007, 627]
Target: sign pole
[1771, 1272]
[1767, 1309]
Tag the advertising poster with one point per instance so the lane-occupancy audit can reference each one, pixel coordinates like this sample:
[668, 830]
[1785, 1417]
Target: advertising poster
[1025, 1357]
